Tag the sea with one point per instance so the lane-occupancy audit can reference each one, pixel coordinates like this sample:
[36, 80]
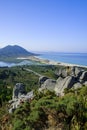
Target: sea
[72, 58]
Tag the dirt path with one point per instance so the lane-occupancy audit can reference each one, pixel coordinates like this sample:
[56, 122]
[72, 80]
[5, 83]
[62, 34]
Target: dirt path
[29, 70]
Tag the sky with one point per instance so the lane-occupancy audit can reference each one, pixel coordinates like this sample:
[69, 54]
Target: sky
[44, 25]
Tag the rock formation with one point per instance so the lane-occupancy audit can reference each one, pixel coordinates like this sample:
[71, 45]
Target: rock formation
[48, 84]
[19, 96]
[67, 82]
[18, 90]
[69, 77]
[42, 79]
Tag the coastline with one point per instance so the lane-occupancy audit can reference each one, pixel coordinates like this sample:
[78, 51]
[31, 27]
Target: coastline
[50, 62]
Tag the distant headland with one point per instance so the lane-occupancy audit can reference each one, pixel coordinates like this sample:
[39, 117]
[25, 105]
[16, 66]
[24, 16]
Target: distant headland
[10, 53]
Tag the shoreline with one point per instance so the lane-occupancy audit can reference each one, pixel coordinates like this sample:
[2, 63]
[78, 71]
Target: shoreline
[50, 62]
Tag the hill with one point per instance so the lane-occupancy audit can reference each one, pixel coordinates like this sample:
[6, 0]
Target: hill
[13, 52]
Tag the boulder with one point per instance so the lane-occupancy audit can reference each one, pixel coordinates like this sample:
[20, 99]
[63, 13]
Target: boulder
[72, 71]
[48, 84]
[77, 85]
[83, 77]
[58, 81]
[85, 83]
[61, 73]
[16, 102]
[64, 73]
[18, 90]
[67, 82]
[76, 71]
[42, 79]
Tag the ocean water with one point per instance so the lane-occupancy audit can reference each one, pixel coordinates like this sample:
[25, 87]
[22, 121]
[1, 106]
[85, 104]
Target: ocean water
[72, 58]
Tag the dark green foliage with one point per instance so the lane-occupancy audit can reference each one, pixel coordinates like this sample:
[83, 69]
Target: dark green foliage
[46, 70]
[48, 110]
[10, 76]
[18, 125]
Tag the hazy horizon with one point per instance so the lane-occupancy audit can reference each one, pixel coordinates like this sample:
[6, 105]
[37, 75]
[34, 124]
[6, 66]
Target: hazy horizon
[44, 25]
[45, 51]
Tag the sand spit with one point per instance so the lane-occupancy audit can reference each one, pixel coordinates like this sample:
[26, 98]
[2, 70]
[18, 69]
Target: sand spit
[49, 62]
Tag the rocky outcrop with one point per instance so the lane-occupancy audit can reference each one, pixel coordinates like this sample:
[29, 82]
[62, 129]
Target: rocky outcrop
[61, 73]
[76, 78]
[78, 72]
[69, 77]
[61, 84]
[77, 85]
[18, 90]
[83, 77]
[19, 97]
[42, 79]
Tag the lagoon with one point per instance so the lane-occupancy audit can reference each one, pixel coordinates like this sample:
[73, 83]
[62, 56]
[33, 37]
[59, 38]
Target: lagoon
[7, 64]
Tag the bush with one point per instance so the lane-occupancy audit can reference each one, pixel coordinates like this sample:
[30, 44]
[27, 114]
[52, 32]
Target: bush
[18, 125]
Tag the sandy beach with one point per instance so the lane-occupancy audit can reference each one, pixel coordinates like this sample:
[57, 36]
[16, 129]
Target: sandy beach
[49, 62]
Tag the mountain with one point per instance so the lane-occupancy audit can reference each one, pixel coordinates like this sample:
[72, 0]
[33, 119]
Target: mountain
[14, 51]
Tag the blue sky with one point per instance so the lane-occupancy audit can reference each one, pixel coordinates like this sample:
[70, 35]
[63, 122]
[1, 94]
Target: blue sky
[44, 25]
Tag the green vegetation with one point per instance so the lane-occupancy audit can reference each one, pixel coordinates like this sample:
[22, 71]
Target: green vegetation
[46, 70]
[46, 110]
[10, 76]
